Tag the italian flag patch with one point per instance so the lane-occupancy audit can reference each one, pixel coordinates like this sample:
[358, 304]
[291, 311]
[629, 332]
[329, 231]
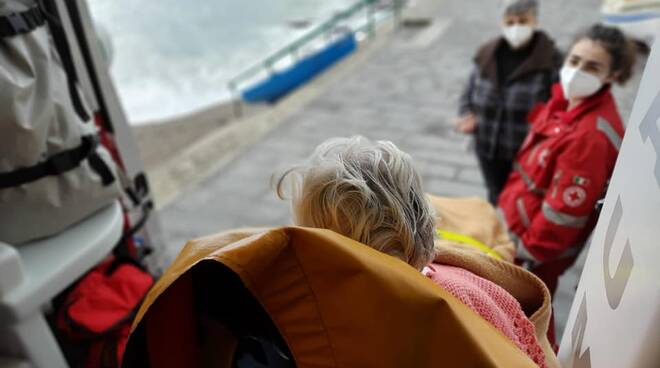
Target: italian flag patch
[579, 180]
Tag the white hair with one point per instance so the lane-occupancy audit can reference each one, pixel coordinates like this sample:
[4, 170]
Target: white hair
[368, 191]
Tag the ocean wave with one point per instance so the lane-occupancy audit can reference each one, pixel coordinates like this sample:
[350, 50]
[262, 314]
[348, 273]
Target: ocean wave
[172, 57]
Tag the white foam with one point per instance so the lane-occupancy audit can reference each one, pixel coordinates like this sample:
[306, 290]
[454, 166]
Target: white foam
[171, 57]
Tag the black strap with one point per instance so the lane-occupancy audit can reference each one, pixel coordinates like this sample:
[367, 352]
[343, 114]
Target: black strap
[122, 250]
[101, 168]
[18, 23]
[64, 51]
[76, 99]
[60, 163]
[138, 189]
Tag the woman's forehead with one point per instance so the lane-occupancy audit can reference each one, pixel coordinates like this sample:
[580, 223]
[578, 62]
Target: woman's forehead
[591, 51]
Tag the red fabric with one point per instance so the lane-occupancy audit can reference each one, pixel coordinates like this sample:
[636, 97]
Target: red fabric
[108, 140]
[102, 301]
[491, 302]
[100, 309]
[568, 159]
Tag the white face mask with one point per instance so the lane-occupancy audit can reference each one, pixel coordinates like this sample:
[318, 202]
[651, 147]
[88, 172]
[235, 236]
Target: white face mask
[517, 35]
[577, 84]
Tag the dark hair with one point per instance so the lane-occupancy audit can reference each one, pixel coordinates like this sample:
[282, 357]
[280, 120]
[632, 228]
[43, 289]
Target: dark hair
[622, 51]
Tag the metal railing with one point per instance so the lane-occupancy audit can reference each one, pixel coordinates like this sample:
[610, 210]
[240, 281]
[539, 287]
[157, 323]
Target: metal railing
[323, 30]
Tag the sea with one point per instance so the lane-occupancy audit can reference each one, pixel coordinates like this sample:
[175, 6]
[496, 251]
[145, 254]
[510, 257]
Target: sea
[170, 57]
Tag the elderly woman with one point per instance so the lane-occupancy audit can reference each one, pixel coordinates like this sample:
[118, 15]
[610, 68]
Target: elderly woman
[511, 74]
[370, 192]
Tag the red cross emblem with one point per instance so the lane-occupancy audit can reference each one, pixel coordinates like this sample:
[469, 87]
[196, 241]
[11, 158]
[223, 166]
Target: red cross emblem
[574, 196]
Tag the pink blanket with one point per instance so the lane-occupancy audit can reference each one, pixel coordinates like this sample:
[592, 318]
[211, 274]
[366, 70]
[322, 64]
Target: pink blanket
[491, 302]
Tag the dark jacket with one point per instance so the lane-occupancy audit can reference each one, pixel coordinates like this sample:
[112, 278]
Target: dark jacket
[502, 108]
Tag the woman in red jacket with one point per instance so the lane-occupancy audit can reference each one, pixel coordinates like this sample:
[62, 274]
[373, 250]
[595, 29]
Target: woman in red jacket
[564, 165]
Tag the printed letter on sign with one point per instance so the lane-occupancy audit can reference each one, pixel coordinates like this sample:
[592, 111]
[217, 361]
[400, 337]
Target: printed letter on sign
[615, 286]
[649, 129]
[577, 337]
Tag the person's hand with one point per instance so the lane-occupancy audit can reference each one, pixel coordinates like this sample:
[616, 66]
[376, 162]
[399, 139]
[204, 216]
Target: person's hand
[466, 124]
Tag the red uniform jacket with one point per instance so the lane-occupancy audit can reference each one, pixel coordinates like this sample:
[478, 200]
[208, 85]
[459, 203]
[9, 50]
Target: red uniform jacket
[560, 173]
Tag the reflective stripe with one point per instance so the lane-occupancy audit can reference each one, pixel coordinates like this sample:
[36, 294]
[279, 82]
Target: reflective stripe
[563, 219]
[532, 154]
[522, 253]
[501, 216]
[464, 239]
[531, 186]
[522, 212]
[611, 134]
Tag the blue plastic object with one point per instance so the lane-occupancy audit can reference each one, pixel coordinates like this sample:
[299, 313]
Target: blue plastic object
[282, 83]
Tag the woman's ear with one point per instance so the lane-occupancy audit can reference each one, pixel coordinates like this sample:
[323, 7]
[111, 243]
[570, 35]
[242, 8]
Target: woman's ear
[613, 77]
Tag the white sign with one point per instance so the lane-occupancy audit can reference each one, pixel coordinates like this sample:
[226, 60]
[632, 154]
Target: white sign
[615, 317]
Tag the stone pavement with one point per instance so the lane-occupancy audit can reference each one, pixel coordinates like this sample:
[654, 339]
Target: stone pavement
[407, 93]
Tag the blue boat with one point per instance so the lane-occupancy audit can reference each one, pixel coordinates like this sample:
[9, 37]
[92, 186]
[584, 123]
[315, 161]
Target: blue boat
[281, 83]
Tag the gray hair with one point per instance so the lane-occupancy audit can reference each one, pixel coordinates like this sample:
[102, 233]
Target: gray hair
[368, 191]
[517, 7]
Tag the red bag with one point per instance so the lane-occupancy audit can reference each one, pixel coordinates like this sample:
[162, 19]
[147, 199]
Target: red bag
[98, 312]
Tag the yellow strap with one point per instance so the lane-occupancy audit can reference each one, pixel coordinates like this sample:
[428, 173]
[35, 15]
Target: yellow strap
[464, 239]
